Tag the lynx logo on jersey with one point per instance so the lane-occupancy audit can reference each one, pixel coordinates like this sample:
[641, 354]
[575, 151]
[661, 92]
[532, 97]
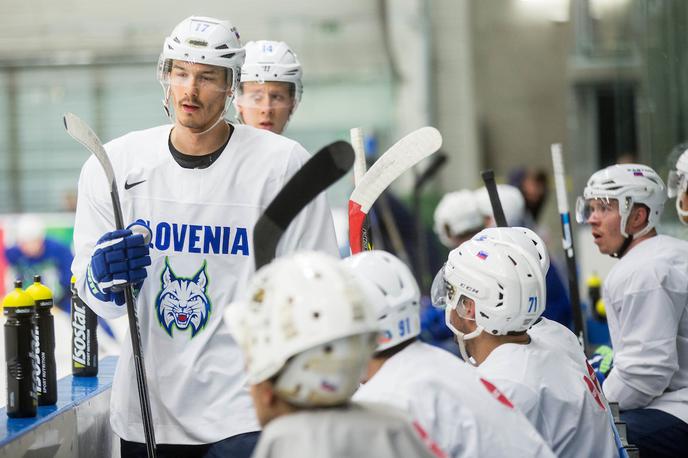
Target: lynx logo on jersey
[182, 302]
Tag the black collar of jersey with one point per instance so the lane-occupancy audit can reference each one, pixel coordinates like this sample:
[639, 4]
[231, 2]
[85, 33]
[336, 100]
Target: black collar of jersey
[197, 162]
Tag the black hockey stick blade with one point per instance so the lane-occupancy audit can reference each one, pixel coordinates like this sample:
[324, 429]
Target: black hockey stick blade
[491, 186]
[322, 170]
[437, 161]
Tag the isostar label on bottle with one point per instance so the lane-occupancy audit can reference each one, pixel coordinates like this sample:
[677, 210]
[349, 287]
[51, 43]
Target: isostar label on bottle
[37, 371]
[79, 355]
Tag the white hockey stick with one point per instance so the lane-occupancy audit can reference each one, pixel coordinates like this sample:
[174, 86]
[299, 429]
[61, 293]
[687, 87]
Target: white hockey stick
[356, 135]
[403, 155]
[82, 133]
[567, 242]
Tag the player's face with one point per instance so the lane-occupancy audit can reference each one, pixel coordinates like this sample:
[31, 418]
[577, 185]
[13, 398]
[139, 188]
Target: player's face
[683, 202]
[199, 92]
[605, 223]
[266, 105]
[262, 396]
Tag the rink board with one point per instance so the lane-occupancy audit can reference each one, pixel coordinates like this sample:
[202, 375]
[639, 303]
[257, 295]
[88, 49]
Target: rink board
[77, 426]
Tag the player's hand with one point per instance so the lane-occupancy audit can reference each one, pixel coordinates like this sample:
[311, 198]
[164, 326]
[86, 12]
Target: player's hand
[119, 258]
[602, 361]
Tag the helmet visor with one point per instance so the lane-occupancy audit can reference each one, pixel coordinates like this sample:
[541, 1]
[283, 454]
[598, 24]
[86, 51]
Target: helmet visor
[271, 94]
[442, 293]
[585, 208]
[177, 73]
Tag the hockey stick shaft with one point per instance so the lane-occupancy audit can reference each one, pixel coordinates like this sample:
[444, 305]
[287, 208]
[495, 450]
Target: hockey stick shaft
[491, 186]
[567, 242]
[322, 170]
[360, 167]
[83, 134]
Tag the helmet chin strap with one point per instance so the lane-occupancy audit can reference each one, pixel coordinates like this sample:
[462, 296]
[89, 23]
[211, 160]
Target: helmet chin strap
[624, 246]
[462, 337]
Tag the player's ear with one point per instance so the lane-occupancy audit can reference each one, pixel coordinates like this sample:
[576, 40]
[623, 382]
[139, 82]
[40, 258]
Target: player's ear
[638, 218]
[469, 307]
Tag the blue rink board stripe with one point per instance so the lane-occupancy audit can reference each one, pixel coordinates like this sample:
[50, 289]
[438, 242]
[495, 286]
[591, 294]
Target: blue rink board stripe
[71, 391]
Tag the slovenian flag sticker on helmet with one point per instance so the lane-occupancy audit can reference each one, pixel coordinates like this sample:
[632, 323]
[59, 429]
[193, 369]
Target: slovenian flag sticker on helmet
[482, 255]
[384, 337]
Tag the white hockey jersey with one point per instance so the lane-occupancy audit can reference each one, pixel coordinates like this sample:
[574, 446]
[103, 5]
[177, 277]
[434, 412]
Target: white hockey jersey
[361, 431]
[456, 408]
[558, 338]
[202, 222]
[556, 395]
[646, 295]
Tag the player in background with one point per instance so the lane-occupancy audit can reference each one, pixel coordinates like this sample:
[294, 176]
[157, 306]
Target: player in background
[466, 415]
[677, 186]
[308, 330]
[270, 87]
[646, 299]
[493, 291]
[198, 185]
[35, 253]
[456, 220]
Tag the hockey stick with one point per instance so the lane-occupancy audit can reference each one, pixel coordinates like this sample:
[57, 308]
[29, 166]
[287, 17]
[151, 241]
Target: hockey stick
[356, 135]
[323, 169]
[491, 187]
[423, 275]
[385, 212]
[82, 133]
[360, 166]
[403, 155]
[567, 242]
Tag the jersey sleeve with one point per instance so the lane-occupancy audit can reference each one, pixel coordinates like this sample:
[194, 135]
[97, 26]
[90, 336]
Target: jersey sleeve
[313, 228]
[645, 356]
[94, 217]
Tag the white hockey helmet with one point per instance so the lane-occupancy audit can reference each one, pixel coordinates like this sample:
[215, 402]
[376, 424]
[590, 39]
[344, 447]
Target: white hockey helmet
[456, 214]
[628, 184]
[512, 201]
[306, 321]
[523, 237]
[677, 184]
[202, 40]
[272, 61]
[505, 282]
[394, 292]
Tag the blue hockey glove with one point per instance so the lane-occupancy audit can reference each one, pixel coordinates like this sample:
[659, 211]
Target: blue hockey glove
[119, 258]
[602, 361]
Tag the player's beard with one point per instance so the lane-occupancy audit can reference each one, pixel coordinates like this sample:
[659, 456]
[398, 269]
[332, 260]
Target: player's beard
[198, 123]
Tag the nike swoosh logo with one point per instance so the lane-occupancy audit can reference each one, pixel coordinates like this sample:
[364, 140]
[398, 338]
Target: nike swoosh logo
[131, 185]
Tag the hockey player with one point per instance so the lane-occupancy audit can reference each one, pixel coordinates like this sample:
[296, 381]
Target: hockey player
[646, 298]
[461, 215]
[494, 291]
[270, 88]
[465, 414]
[677, 185]
[307, 331]
[198, 185]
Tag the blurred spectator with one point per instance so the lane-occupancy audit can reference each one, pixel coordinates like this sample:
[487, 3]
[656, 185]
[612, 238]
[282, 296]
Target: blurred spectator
[533, 184]
[37, 254]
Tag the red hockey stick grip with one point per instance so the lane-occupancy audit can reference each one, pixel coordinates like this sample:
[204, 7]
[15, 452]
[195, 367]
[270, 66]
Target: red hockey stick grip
[356, 220]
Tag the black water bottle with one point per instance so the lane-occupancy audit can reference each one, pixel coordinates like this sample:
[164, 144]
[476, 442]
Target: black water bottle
[19, 308]
[84, 338]
[47, 370]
